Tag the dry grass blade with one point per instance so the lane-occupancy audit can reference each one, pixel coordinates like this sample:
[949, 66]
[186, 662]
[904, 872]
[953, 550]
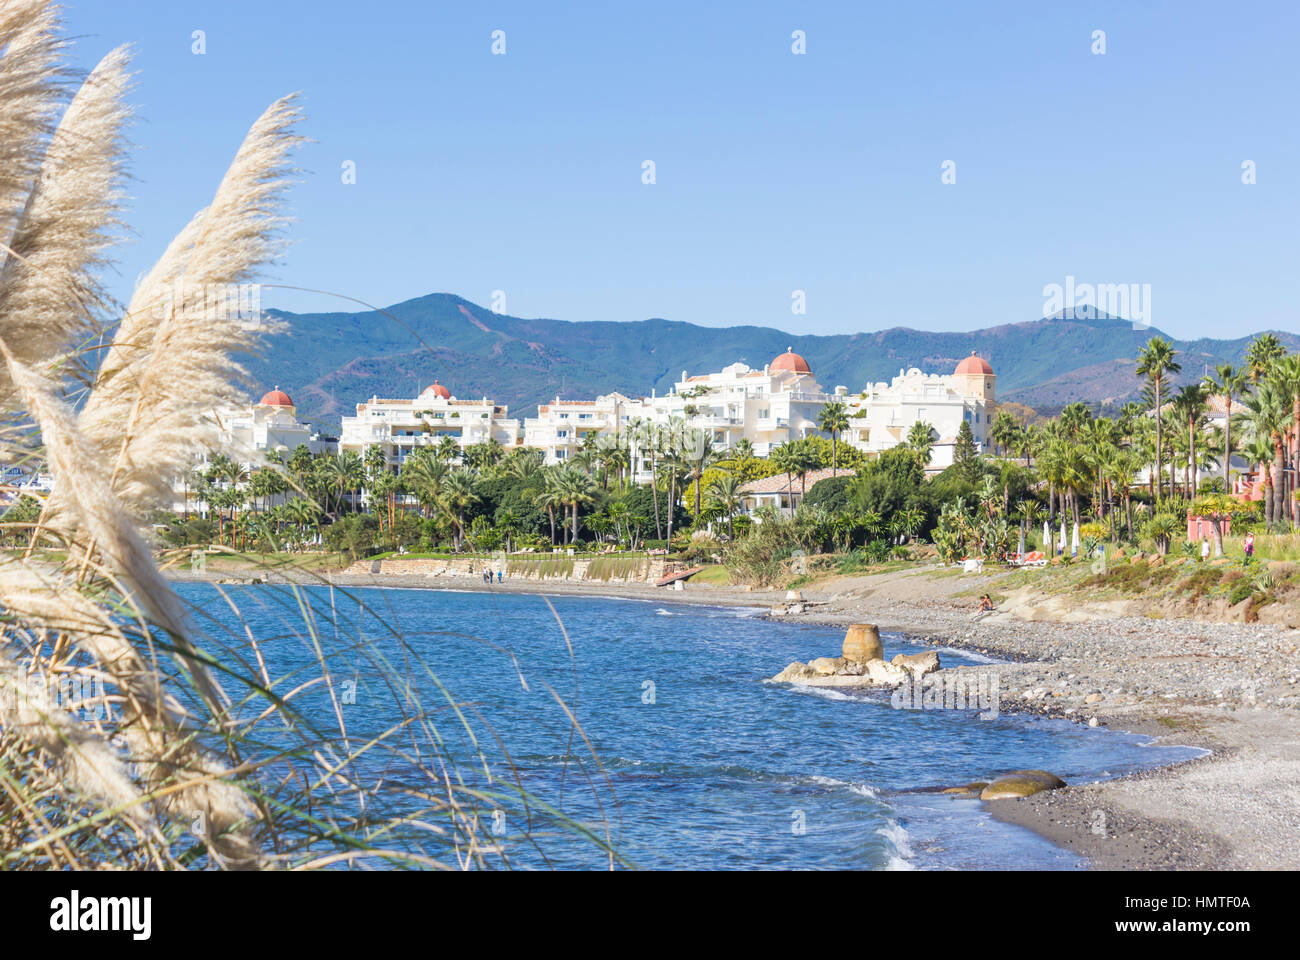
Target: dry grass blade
[170, 366]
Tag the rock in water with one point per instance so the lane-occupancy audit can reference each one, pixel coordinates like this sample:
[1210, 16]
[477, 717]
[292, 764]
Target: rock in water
[886, 674]
[826, 666]
[1021, 783]
[795, 672]
[862, 643]
[968, 790]
[918, 664]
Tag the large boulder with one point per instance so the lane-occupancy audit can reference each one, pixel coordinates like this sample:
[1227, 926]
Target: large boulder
[1021, 783]
[862, 643]
[917, 664]
[826, 666]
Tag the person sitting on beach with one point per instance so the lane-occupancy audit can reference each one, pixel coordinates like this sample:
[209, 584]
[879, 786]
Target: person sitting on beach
[986, 604]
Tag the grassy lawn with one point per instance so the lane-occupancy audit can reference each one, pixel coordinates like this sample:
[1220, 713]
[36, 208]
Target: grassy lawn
[244, 562]
[715, 575]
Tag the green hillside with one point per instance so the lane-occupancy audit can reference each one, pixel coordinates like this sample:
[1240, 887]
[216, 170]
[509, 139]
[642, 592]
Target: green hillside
[331, 361]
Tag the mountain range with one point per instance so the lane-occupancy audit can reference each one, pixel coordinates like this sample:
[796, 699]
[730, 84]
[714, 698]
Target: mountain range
[329, 362]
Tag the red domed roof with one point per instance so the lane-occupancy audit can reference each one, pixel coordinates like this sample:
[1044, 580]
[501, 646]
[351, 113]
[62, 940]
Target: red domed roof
[973, 364]
[276, 398]
[790, 361]
[437, 390]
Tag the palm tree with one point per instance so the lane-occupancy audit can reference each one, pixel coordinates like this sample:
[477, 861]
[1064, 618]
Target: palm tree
[458, 494]
[1189, 406]
[550, 498]
[345, 472]
[1156, 362]
[447, 448]
[699, 453]
[1004, 431]
[1270, 419]
[742, 451]
[1263, 351]
[1286, 377]
[577, 489]
[725, 493]
[920, 437]
[833, 419]
[803, 462]
[1228, 381]
[648, 439]
[786, 459]
[423, 475]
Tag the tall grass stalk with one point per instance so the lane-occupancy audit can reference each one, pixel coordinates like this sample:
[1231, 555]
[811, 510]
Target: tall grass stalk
[198, 752]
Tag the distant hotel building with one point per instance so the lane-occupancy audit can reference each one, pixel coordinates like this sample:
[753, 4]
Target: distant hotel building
[400, 426]
[768, 407]
[882, 416]
[269, 424]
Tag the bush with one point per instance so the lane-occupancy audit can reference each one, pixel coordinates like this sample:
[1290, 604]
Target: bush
[353, 536]
[834, 494]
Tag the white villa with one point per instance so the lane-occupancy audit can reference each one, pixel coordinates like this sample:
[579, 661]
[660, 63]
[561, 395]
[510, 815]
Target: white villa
[269, 424]
[883, 415]
[400, 426]
[249, 433]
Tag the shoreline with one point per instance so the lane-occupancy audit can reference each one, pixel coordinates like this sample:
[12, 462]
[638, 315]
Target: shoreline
[1226, 688]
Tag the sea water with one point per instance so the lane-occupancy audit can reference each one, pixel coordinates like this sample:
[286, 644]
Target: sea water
[682, 756]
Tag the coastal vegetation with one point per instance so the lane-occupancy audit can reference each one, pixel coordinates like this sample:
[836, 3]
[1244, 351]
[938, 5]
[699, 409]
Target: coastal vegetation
[1075, 485]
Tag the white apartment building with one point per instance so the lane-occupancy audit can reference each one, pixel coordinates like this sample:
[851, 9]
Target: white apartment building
[768, 407]
[399, 426]
[882, 416]
[561, 427]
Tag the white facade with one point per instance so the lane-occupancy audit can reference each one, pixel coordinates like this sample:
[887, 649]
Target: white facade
[400, 426]
[768, 407]
[882, 416]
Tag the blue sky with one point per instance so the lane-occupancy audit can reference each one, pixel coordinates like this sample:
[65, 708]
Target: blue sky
[775, 172]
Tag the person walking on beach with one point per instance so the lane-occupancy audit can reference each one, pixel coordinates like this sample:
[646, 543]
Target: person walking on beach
[499, 573]
[1205, 549]
[1250, 547]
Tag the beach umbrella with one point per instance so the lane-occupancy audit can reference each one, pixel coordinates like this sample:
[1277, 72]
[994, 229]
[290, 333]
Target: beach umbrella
[1047, 536]
[1074, 540]
[1060, 543]
[1021, 548]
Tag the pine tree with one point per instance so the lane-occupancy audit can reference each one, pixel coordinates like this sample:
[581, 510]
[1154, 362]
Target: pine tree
[964, 454]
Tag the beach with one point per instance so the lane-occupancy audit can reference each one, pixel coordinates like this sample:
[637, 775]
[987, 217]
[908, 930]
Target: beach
[1228, 688]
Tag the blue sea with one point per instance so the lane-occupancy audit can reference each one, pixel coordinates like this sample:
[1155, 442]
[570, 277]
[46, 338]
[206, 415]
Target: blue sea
[682, 756]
